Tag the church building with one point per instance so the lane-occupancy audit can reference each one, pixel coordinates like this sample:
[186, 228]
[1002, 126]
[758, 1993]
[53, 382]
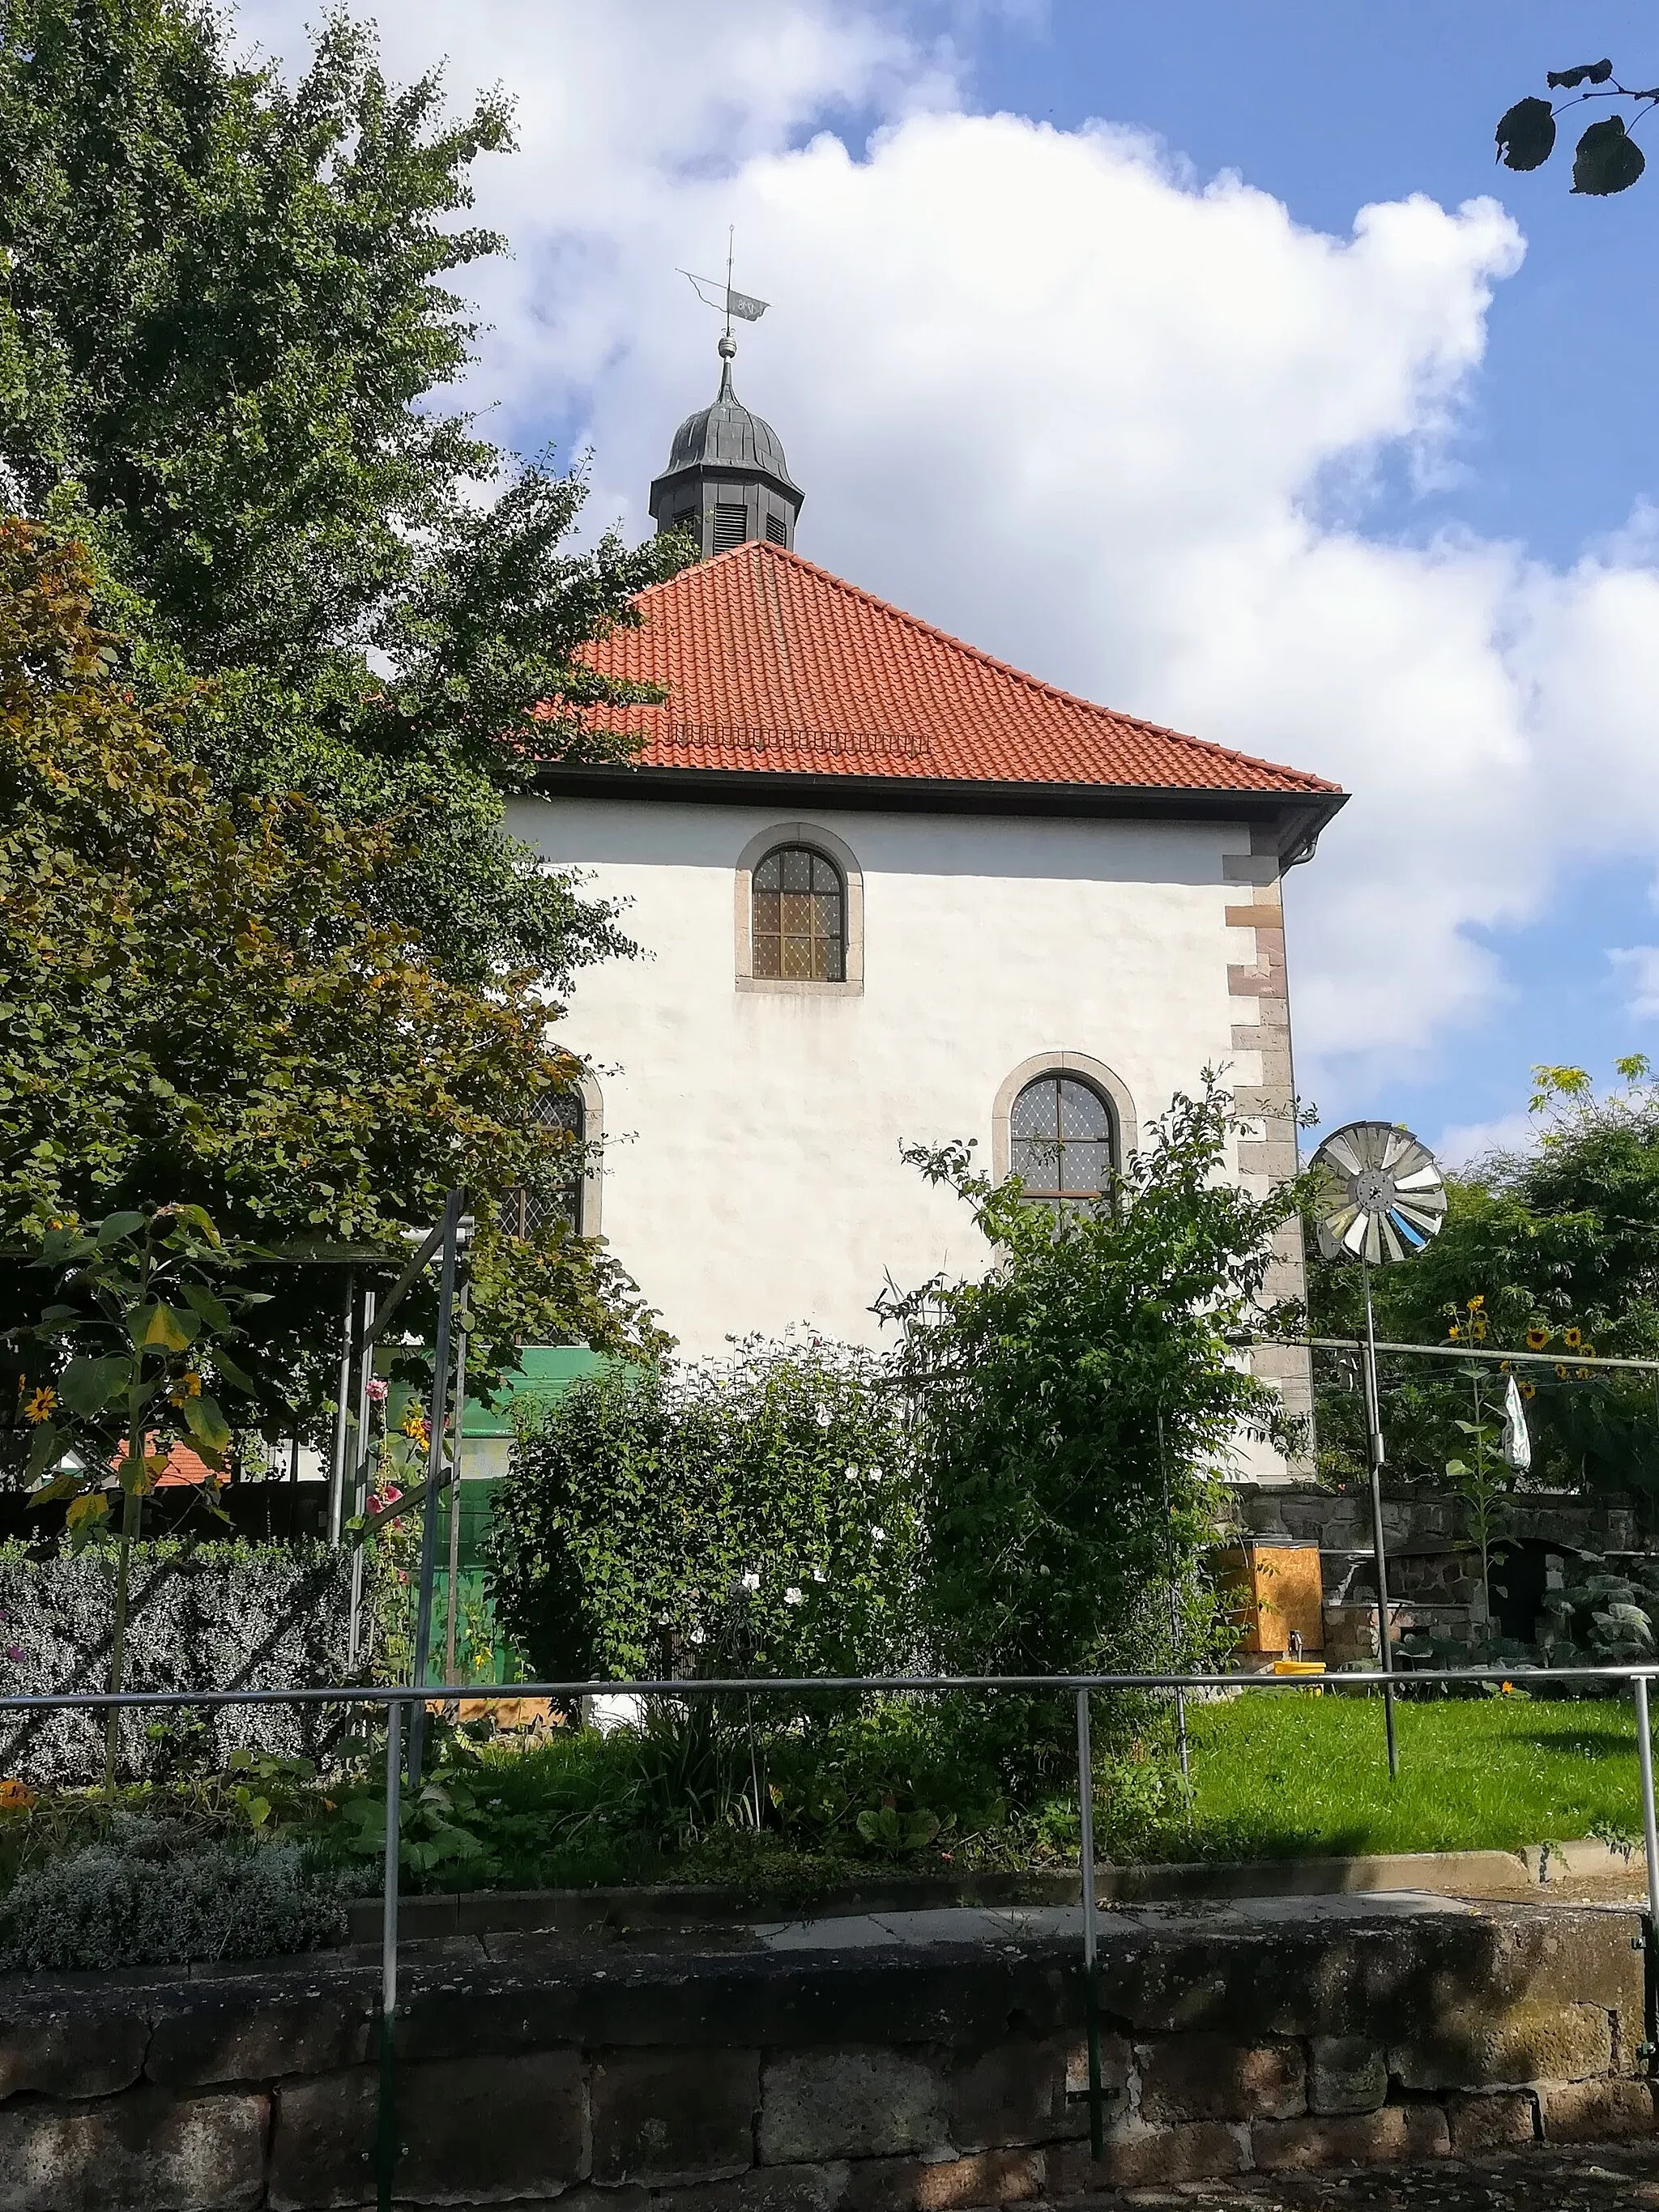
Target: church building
[890, 891]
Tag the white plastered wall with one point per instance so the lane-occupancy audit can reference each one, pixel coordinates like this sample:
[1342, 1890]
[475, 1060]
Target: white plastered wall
[752, 1170]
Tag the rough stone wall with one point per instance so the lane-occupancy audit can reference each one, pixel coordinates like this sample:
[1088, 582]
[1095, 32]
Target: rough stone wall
[1428, 1523]
[1272, 1155]
[904, 2080]
[1434, 1582]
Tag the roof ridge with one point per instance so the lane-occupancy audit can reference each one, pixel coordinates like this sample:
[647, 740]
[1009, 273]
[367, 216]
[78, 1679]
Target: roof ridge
[918, 623]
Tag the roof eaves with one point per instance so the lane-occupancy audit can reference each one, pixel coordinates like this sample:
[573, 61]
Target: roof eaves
[1306, 812]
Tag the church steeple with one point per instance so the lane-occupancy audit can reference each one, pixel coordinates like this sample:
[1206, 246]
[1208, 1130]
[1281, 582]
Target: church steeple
[726, 481]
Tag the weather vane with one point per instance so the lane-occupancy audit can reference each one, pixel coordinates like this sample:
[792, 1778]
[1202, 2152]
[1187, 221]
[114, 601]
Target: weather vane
[725, 299]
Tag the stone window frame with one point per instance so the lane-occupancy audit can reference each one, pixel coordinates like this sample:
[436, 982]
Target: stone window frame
[1087, 1069]
[833, 848]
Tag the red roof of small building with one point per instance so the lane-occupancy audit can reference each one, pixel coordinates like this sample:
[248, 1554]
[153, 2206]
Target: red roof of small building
[772, 664]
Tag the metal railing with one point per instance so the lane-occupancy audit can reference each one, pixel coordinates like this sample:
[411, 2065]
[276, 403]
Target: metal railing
[402, 1699]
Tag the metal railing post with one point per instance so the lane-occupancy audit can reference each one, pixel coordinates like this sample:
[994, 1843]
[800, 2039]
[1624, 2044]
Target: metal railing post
[1649, 1825]
[385, 2152]
[1085, 1799]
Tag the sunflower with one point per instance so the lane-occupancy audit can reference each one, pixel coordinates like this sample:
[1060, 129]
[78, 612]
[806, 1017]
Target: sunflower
[1537, 1339]
[1475, 1304]
[1453, 1332]
[1528, 1389]
[1573, 1338]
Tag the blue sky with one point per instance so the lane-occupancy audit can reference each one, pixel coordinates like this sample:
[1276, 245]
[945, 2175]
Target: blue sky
[1328, 106]
[1355, 496]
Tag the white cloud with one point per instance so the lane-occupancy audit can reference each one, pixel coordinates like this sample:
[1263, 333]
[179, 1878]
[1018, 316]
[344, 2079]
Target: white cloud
[1460, 1146]
[1114, 422]
[1638, 965]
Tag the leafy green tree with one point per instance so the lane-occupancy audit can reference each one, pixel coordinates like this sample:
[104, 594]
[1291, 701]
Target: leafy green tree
[1608, 158]
[227, 334]
[198, 1007]
[1076, 1402]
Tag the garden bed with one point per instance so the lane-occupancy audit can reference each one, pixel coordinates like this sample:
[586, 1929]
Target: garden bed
[893, 1796]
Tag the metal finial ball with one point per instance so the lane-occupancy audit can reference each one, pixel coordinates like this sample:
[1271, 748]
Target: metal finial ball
[727, 347]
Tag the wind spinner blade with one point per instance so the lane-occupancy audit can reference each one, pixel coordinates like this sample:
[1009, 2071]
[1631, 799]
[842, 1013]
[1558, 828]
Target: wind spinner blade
[1381, 1195]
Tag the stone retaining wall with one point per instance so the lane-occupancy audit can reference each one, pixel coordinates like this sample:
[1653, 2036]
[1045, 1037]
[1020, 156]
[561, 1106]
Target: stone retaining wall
[719, 2074]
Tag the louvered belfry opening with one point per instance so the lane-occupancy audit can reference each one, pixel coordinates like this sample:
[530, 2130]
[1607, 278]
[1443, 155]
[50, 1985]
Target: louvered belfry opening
[730, 525]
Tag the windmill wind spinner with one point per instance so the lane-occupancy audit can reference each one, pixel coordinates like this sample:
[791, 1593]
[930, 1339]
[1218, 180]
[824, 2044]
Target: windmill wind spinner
[1381, 1198]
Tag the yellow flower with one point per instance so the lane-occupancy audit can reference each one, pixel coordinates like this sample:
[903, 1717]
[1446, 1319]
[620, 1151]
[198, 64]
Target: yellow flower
[1478, 1331]
[1560, 1373]
[1528, 1389]
[1453, 1332]
[191, 1384]
[1573, 1338]
[1475, 1304]
[1583, 1374]
[1505, 1367]
[41, 1403]
[1537, 1339]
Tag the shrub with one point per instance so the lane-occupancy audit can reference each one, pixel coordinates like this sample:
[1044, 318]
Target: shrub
[151, 1894]
[754, 1514]
[1076, 1404]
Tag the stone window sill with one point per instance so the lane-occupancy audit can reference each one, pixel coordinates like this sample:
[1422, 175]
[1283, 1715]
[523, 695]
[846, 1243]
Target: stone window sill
[793, 988]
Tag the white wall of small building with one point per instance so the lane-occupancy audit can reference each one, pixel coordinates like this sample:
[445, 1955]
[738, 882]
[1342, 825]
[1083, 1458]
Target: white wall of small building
[752, 1176]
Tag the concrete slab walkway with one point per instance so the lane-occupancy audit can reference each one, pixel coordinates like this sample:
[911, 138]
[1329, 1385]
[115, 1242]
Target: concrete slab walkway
[965, 1924]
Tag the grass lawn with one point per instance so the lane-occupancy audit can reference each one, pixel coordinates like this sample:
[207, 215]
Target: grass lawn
[1289, 1773]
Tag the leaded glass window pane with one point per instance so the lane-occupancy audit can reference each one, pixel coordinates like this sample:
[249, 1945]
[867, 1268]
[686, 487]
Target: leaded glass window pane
[533, 1214]
[1061, 1143]
[800, 917]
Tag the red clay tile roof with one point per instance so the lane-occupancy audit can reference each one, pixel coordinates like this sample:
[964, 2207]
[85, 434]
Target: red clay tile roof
[772, 664]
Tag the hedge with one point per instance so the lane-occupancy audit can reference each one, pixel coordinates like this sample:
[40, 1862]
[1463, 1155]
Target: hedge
[204, 1617]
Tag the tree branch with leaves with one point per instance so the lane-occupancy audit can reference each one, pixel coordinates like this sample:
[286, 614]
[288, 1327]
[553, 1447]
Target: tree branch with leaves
[1607, 159]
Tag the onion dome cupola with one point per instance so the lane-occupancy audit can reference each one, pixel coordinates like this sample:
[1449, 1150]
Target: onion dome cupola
[726, 481]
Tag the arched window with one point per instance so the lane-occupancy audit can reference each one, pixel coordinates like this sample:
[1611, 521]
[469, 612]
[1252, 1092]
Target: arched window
[1062, 1142]
[533, 1214]
[799, 922]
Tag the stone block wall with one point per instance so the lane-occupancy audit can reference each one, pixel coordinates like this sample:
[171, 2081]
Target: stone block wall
[908, 2078]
